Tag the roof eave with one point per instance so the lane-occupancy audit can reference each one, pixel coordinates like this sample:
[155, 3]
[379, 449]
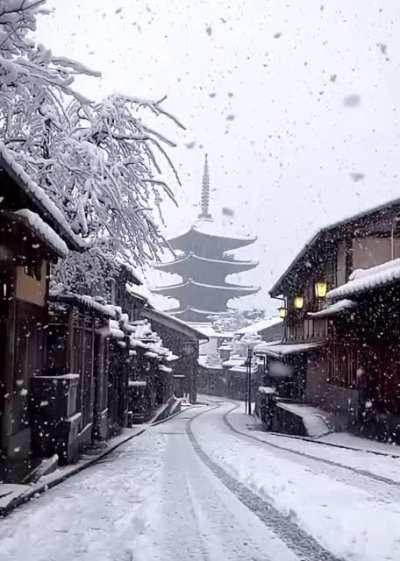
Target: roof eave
[72, 241]
[173, 323]
[277, 288]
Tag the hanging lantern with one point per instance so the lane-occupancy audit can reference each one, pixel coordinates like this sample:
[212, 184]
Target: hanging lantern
[321, 288]
[299, 302]
[282, 312]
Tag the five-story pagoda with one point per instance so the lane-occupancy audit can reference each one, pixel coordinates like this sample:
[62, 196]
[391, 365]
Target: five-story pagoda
[203, 263]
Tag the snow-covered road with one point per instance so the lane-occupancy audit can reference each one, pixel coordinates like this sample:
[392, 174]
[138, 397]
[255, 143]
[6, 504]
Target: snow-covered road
[191, 488]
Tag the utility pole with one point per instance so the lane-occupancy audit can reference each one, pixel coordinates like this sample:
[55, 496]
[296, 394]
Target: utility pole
[248, 363]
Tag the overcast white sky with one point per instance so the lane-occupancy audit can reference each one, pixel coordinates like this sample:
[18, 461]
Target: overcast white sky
[260, 85]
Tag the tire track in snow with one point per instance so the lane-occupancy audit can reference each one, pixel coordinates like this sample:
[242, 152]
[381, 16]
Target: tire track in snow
[301, 543]
[362, 472]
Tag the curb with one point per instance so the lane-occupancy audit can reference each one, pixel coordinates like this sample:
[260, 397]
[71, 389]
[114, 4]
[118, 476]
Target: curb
[314, 440]
[42, 488]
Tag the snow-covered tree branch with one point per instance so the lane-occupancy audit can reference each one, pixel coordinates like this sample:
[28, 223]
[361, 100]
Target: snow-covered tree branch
[100, 162]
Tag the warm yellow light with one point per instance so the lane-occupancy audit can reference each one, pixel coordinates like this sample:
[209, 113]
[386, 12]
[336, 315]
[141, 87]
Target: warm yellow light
[321, 288]
[299, 302]
[282, 312]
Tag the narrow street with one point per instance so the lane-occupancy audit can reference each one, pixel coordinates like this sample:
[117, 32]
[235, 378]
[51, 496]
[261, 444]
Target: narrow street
[192, 488]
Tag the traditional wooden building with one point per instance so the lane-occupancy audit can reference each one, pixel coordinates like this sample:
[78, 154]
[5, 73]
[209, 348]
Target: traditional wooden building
[34, 233]
[340, 344]
[150, 381]
[364, 347]
[268, 329]
[183, 340]
[78, 399]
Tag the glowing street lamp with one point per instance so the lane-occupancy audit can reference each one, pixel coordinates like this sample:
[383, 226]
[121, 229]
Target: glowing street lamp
[282, 312]
[299, 302]
[321, 288]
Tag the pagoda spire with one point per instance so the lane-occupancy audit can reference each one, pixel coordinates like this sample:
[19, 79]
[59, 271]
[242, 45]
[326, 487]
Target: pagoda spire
[203, 265]
[205, 192]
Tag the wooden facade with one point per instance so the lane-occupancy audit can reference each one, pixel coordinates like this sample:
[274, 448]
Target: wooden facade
[79, 345]
[359, 342]
[23, 316]
[183, 340]
[31, 237]
[71, 375]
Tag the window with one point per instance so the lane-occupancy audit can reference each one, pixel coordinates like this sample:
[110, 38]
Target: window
[34, 270]
[344, 360]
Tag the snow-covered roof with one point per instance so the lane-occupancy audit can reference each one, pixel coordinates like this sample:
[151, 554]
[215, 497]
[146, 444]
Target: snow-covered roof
[190, 282]
[86, 301]
[208, 330]
[43, 231]
[364, 280]
[171, 357]
[227, 287]
[143, 337]
[190, 256]
[286, 349]
[234, 361]
[244, 369]
[334, 309]
[354, 219]
[202, 361]
[115, 330]
[165, 369]
[210, 228]
[134, 276]
[142, 329]
[172, 322]
[45, 206]
[179, 311]
[268, 390]
[259, 326]
[140, 292]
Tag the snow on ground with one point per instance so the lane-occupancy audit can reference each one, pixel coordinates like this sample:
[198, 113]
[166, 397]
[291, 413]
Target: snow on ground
[102, 513]
[152, 500]
[348, 520]
[383, 466]
[193, 489]
[313, 418]
[353, 441]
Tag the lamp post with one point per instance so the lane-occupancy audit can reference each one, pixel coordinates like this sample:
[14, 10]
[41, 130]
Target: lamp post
[248, 364]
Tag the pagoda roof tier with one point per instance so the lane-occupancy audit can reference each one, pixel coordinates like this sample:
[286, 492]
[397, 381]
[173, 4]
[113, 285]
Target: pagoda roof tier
[191, 261]
[191, 314]
[198, 289]
[205, 233]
